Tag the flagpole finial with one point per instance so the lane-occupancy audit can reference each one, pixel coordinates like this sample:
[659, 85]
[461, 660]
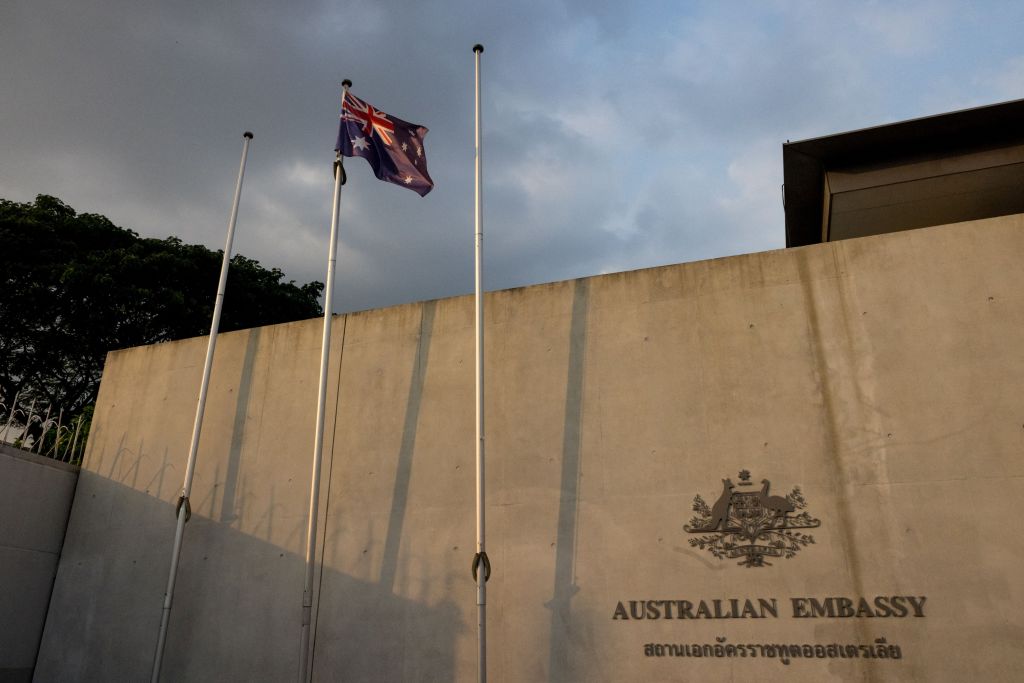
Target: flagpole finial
[346, 83]
[478, 48]
[247, 134]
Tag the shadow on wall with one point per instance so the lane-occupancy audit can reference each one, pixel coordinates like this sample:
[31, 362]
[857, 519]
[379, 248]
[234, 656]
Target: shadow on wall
[563, 627]
[237, 608]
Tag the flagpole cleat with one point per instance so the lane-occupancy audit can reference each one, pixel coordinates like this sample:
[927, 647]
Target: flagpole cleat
[183, 501]
[482, 559]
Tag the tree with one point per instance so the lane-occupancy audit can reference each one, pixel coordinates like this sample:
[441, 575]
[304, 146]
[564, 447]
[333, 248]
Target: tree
[75, 286]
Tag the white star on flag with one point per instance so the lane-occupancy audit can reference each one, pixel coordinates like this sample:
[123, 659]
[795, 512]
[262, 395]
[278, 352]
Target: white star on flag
[360, 143]
[405, 147]
[408, 179]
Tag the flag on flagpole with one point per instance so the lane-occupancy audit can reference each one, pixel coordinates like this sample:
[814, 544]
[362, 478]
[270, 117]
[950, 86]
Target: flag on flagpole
[393, 147]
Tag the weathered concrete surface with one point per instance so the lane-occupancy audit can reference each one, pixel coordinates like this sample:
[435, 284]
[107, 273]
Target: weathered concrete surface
[882, 376]
[35, 499]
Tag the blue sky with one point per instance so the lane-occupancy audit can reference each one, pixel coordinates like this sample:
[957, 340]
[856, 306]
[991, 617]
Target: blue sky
[616, 135]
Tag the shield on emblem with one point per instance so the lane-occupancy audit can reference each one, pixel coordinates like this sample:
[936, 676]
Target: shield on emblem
[749, 515]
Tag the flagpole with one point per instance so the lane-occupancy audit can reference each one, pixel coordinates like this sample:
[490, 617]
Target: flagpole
[318, 438]
[184, 510]
[481, 554]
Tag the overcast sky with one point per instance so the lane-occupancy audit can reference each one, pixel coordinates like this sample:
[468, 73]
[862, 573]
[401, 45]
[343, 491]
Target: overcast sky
[617, 135]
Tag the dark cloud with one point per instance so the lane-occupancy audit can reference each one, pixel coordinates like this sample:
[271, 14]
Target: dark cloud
[617, 136]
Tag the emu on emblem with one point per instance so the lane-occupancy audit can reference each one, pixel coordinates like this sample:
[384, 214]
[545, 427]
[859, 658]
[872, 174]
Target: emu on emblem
[750, 524]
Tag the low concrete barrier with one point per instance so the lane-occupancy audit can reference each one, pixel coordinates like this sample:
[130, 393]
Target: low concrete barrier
[35, 499]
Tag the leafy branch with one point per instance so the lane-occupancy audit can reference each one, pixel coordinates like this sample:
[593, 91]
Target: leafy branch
[796, 498]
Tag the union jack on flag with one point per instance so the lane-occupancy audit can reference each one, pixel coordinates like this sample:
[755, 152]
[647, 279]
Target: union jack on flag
[393, 147]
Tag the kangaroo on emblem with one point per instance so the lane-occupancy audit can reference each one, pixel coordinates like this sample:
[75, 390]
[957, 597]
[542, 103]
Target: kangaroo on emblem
[720, 510]
[777, 505]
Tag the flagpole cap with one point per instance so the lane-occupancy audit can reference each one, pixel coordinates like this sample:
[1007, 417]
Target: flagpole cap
[346, 83]
[478, 48]
[247, 134]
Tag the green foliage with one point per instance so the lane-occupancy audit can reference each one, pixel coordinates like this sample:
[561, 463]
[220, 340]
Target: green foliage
[75, 286]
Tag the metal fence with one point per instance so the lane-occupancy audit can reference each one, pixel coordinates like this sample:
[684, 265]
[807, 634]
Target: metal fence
[37, 430]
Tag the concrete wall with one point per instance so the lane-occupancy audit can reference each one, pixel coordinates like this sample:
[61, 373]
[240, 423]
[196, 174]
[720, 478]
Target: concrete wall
[35, 499]
[881, 376]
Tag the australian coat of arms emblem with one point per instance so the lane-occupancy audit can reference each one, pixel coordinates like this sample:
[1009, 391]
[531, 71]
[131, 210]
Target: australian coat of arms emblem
[751, 524]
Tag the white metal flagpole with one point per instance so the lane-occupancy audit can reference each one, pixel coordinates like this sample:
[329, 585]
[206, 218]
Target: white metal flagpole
[481, 565]
[184, 510]
[318, 439]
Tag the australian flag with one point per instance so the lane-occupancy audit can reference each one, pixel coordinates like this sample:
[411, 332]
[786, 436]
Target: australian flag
[393, 147]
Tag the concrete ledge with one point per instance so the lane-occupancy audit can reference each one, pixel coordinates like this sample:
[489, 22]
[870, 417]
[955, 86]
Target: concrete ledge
[6, 449]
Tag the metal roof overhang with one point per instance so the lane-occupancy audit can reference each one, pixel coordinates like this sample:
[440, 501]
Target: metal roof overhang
[805, 162]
